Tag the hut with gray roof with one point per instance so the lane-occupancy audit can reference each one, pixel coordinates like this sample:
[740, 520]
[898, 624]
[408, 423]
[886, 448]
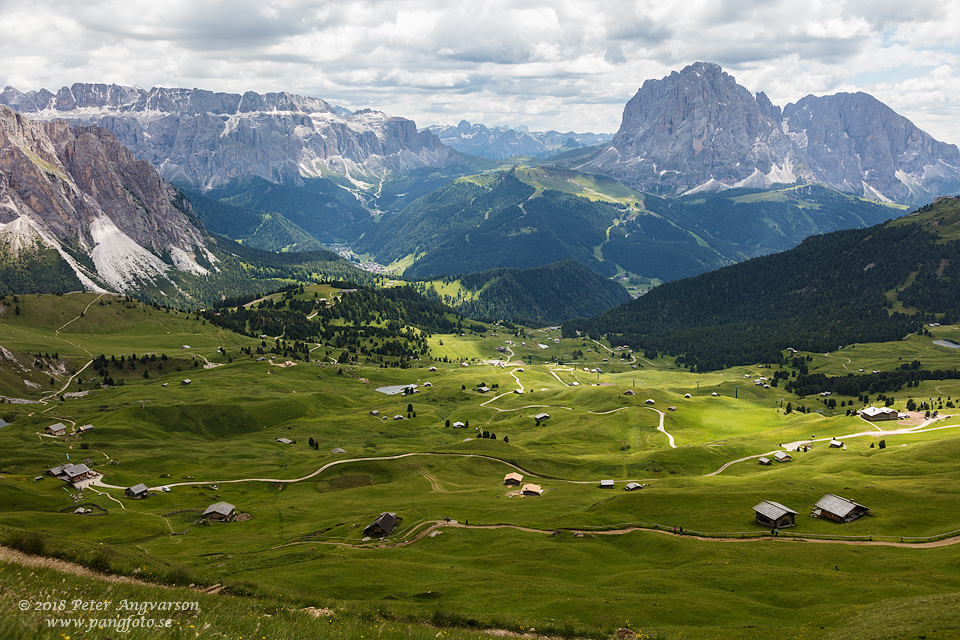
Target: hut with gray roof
[774, 514]
[220, 511]
[839, 509]
[137, 491]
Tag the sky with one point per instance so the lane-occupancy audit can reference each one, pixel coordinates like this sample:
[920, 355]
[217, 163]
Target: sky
[567, 65]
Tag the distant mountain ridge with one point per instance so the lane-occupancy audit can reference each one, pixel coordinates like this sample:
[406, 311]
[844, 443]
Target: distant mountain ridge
[204, 139]
[700, 130]
[499, 143]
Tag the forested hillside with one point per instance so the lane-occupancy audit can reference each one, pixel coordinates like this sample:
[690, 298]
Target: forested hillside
[501, 221]
[320, 210]
[387, 327]
[539, 296]
[832, 290]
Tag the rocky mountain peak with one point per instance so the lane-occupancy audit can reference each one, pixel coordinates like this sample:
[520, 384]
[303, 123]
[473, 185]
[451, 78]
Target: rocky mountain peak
[79, 192]
[698, 129]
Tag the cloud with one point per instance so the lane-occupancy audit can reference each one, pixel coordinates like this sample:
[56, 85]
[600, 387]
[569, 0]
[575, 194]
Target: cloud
[559, 64]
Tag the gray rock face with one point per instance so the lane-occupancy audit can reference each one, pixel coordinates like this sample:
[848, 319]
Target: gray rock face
[204, 138]
[80, 192]
[699, 130]
[502, 142]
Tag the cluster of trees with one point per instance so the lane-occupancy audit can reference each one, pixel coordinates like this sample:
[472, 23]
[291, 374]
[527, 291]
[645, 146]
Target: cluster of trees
[909, 375]
[113, 370]
[385, 326]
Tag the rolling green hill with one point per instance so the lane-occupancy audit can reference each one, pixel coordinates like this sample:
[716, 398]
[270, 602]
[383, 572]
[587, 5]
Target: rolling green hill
[865, 285]
[469, 554]
[530, 217]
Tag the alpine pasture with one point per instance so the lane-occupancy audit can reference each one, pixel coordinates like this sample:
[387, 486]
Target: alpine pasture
[469, 553]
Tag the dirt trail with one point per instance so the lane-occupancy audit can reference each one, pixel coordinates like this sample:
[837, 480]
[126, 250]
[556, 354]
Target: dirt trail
[673, 445]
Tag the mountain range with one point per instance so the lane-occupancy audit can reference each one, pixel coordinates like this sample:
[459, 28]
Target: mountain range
[694, 130]
[737, 177]
[499, 143]
[205, 139]
[698, 130]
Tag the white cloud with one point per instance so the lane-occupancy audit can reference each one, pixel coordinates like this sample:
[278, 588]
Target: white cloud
[559, 64]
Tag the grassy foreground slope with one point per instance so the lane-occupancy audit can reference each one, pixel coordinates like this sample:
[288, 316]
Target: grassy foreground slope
[501, 564]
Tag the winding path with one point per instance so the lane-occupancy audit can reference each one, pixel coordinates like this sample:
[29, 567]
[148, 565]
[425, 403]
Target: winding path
[673, 445]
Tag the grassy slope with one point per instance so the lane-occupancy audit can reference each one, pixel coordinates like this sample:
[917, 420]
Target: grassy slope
[223, 426]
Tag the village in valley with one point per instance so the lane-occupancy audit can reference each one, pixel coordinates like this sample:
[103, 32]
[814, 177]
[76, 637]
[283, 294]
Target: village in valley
[236, 467]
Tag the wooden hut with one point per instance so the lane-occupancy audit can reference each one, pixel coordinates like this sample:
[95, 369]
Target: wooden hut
[774, 514]
[839, 509]
[58, 429]
[137, 491]
[513, 479]
[219, 511]
[382, 526]
[531, 490]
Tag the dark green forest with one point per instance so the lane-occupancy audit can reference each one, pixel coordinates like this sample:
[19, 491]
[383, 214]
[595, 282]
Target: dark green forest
[539, 296]
[832, 290]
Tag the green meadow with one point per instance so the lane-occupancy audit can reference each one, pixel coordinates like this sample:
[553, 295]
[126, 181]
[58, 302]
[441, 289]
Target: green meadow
[468, 553]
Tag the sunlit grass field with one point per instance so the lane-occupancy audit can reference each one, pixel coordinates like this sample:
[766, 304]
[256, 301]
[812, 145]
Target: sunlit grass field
[214, 440]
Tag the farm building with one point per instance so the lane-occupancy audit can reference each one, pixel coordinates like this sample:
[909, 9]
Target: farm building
[382, 526]
[540, 417]
[58, 429]
[72, 473]
[839, 509]
[874, 414]
[836, 444]
[219, 511]
[85, 428]
[531, 490]
[284, 440]
[458, 425]
[633, 486]
[686, 395]
[186, 381]
[137, 491]
[671, 408]
[765, 461]
[398, 417]
[375, 412]
[432, 369]
[483, 389]
[774, 514]
[606, 484]
[628, 392]
[513, 479]
[782, 456]
[649, 401]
